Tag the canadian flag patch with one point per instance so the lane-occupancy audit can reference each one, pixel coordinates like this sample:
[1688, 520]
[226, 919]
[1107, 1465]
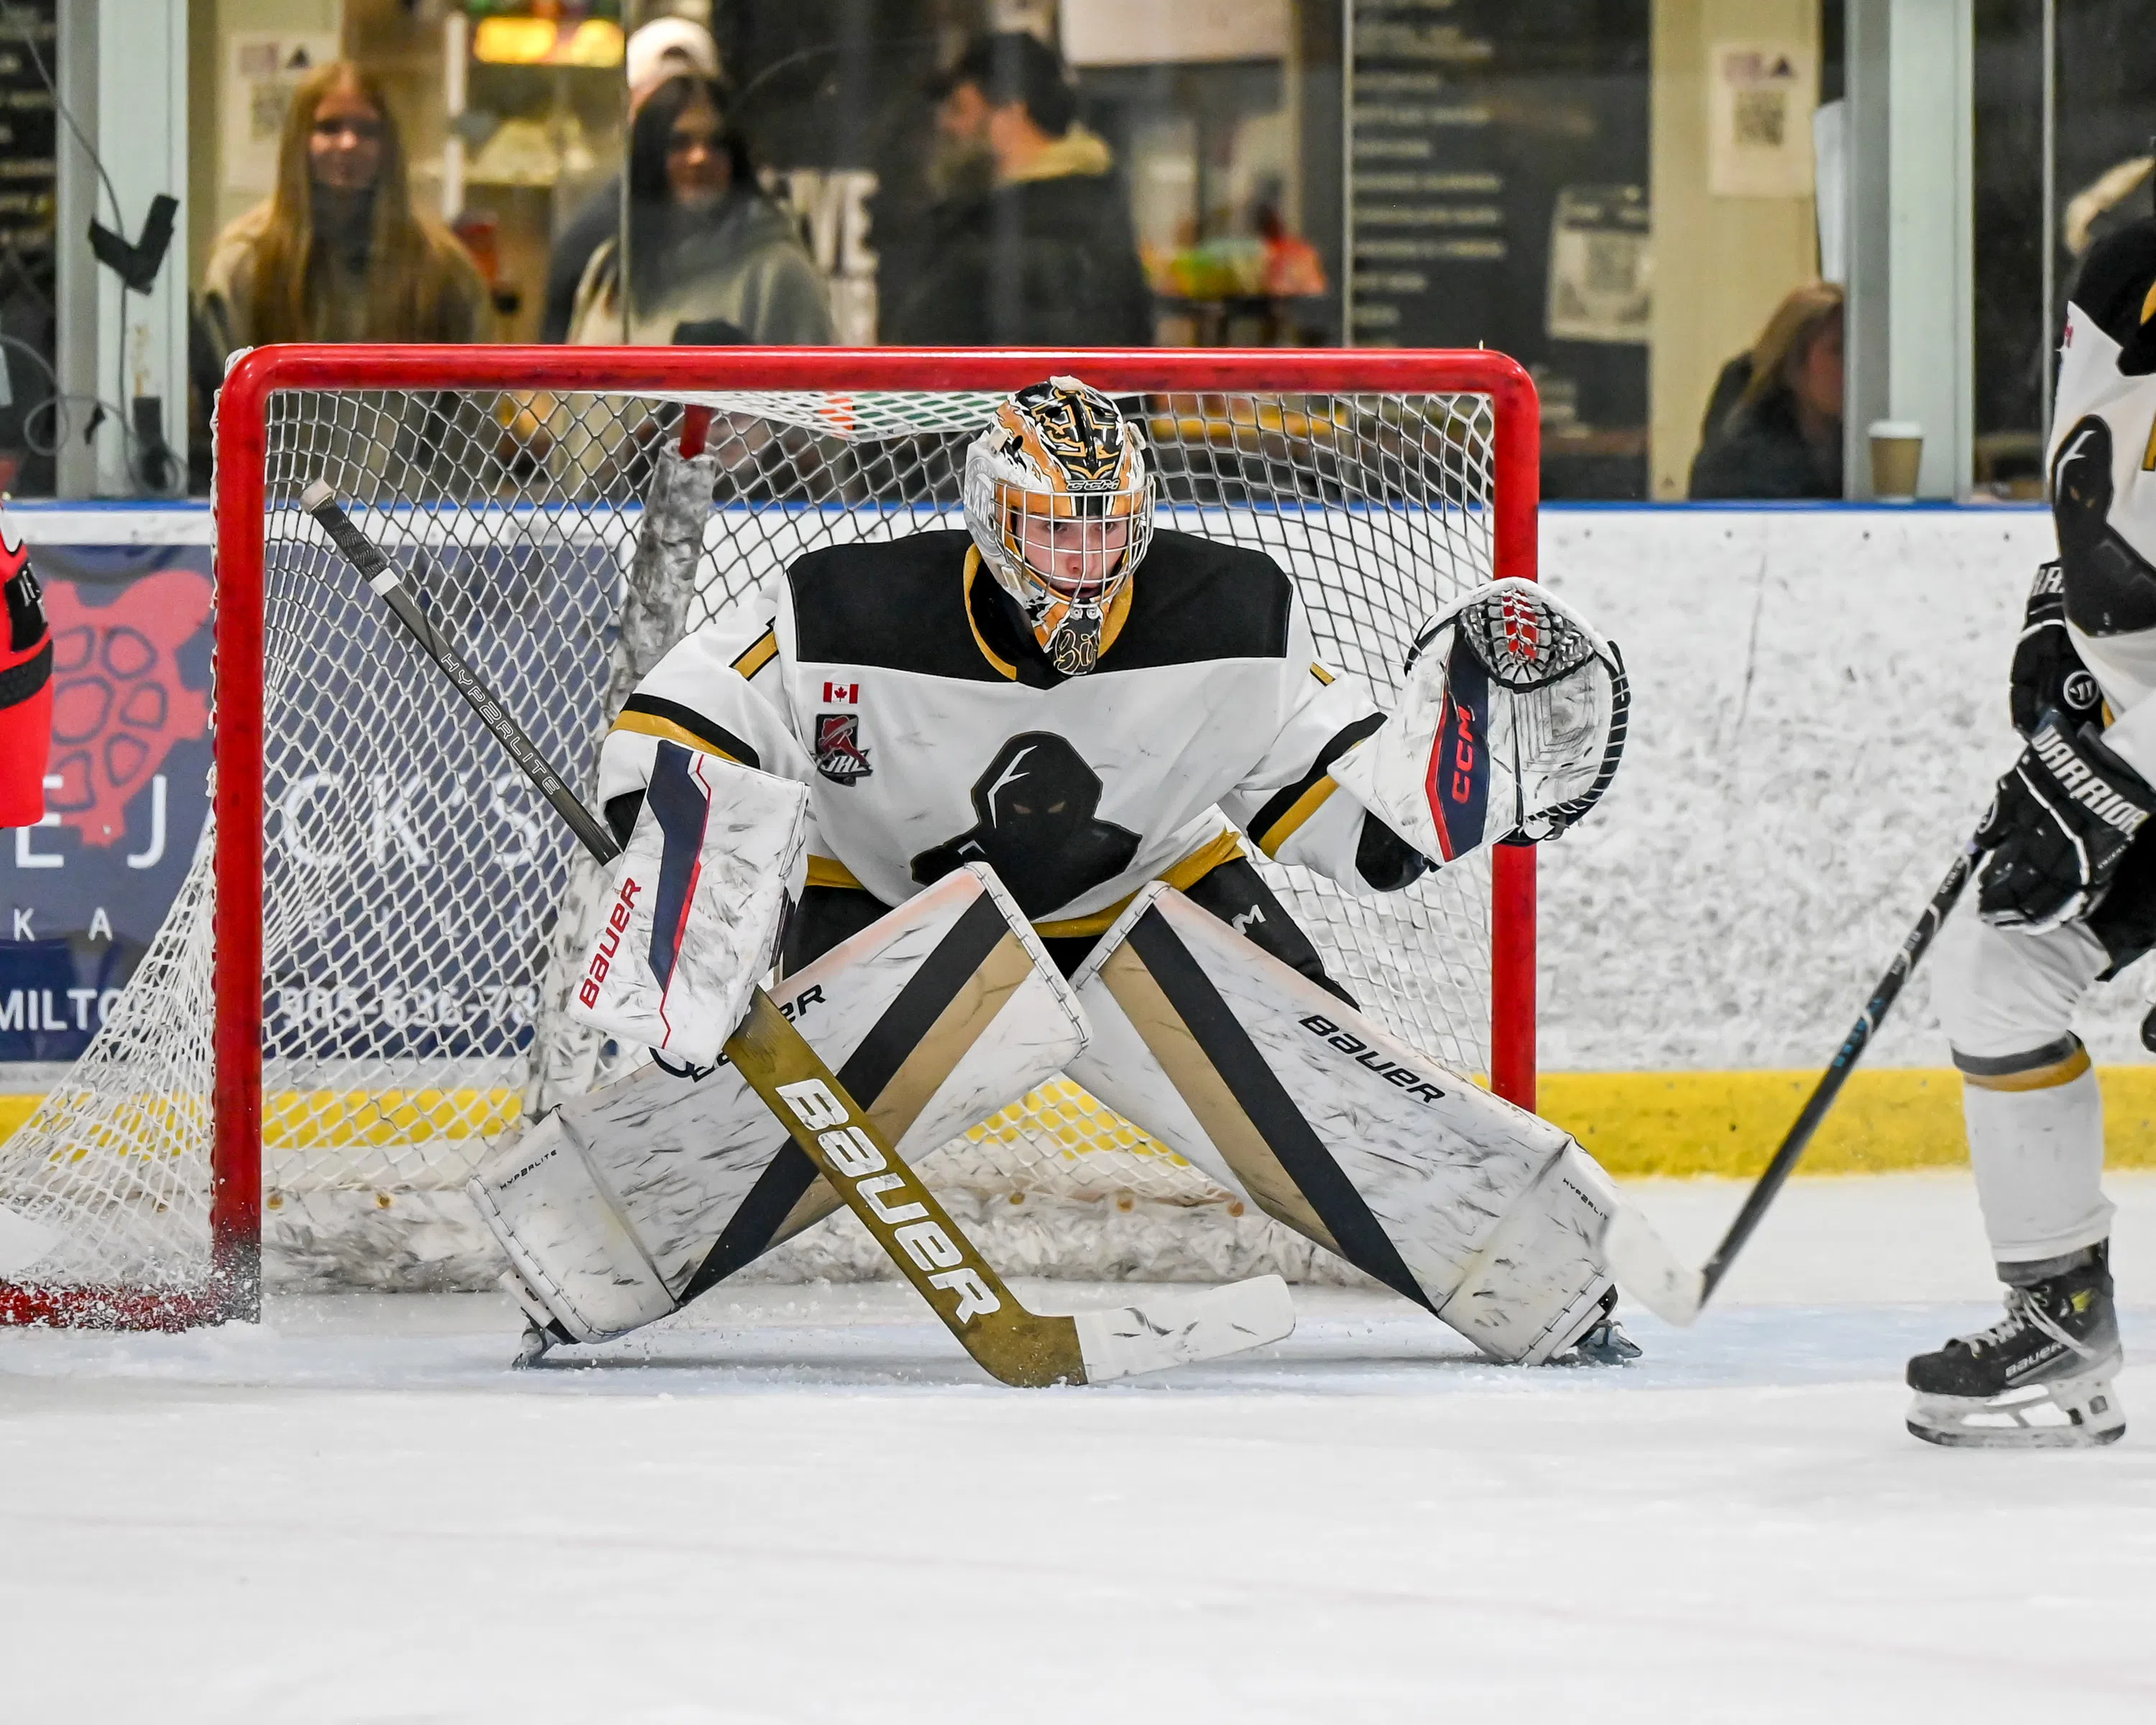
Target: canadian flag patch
[846, 694]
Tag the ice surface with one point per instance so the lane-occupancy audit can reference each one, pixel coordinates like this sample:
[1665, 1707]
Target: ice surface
[806, 1505]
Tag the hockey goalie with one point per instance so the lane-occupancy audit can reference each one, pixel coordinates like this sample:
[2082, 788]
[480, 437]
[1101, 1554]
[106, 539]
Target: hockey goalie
[1002, 779]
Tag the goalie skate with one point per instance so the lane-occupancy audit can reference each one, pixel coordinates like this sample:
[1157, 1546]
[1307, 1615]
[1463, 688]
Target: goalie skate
[2040, 1379]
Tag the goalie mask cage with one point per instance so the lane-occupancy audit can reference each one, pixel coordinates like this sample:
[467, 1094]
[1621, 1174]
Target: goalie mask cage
[336, 1021]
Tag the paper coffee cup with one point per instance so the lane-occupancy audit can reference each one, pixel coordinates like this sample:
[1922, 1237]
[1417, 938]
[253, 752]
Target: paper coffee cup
[1897, 451]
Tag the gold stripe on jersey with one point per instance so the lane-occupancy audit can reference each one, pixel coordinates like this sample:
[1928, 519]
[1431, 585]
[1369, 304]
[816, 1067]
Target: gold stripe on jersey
[651, 725]
[1221, 848]
[760, 653]
[1323, 674]
[2046, 1077]
[1307, 804]
[829, 871]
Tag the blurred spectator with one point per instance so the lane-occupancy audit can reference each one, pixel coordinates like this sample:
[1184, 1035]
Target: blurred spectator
[1782, 438]
[1729, 384]
[710, 257]
[2107, 204]
[30, 423]
[1293, 269]
[338, 253]
[1044, 256]
[663, 48]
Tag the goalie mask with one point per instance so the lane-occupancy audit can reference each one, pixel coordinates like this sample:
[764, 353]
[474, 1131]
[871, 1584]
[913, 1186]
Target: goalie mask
[1060, 504]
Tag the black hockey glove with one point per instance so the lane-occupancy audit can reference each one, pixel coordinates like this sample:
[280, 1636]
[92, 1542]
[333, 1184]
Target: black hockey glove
[2057, 828]
[2047, 672]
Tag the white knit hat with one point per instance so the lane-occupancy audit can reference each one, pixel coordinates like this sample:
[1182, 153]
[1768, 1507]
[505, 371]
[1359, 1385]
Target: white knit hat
[667, 47]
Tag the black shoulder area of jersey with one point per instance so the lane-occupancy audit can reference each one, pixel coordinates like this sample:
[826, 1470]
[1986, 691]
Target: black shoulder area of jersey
[1194, 599]
[900, 602]
[2114, 288]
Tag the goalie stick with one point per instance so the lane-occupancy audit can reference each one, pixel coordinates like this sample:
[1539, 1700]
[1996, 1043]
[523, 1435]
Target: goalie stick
[1012, 1344]
[1644, 1266]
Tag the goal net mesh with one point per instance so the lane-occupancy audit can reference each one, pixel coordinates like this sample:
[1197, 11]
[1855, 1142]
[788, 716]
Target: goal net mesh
[412, 879]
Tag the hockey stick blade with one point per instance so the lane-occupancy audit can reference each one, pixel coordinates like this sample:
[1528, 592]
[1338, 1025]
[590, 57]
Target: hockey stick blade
[1181, 1330]
[1012, 1344]
[1646, 1268]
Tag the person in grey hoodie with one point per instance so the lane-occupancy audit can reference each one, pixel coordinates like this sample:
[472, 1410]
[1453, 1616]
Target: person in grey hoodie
[711, 259]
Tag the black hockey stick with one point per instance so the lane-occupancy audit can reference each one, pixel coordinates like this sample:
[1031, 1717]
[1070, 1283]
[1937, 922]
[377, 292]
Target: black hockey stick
[1012, 1344]
[1644, 1269]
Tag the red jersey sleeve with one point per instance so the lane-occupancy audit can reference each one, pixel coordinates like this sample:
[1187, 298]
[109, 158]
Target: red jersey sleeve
[26, 685]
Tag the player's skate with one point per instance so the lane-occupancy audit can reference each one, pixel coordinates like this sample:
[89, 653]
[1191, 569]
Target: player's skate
[2039, 1379]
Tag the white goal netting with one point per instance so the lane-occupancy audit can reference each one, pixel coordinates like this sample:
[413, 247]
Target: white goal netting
[411, 879]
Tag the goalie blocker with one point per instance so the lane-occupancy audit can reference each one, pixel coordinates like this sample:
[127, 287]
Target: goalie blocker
[695, 906]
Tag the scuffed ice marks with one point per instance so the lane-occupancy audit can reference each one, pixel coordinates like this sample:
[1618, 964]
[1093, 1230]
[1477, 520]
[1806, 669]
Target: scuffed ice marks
[1820, 712]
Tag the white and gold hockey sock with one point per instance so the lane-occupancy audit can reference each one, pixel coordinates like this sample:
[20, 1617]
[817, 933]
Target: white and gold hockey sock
[2035, 1144]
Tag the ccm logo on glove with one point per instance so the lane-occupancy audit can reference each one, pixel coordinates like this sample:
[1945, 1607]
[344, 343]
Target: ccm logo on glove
[1463, 757]
[609, 943]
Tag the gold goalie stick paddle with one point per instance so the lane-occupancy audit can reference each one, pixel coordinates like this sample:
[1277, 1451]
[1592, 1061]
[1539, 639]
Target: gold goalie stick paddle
[1012, 1344]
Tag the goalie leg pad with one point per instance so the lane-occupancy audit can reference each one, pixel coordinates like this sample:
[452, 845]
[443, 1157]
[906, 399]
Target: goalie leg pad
[1539, 1282]
[1481, 1212]
[934, 1017]
[567, 1241]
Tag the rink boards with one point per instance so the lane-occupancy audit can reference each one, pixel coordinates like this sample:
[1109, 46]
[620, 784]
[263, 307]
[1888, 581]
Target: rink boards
[1819, 711]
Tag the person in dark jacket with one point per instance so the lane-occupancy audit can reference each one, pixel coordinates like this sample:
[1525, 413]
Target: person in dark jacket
[1045, 257]
[1782, 438]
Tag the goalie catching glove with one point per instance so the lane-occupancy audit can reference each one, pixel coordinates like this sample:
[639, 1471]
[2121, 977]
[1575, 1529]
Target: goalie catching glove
[2057, 828]
[1510, 725]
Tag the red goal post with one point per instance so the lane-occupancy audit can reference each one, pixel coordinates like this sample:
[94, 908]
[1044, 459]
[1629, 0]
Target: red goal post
[243, 505]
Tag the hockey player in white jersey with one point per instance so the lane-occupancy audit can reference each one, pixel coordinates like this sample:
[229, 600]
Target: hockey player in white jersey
[2066, 897]
[1089, 715]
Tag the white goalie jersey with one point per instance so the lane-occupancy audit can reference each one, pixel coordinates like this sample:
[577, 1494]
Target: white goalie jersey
[887, 678]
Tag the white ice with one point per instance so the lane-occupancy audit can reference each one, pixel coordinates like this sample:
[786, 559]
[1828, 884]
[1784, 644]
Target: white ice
[806, 1505]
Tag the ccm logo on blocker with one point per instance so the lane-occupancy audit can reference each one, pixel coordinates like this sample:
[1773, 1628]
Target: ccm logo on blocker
[852, 1155]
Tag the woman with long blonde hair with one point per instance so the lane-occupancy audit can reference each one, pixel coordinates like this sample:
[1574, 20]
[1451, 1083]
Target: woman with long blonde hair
[337, 252]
